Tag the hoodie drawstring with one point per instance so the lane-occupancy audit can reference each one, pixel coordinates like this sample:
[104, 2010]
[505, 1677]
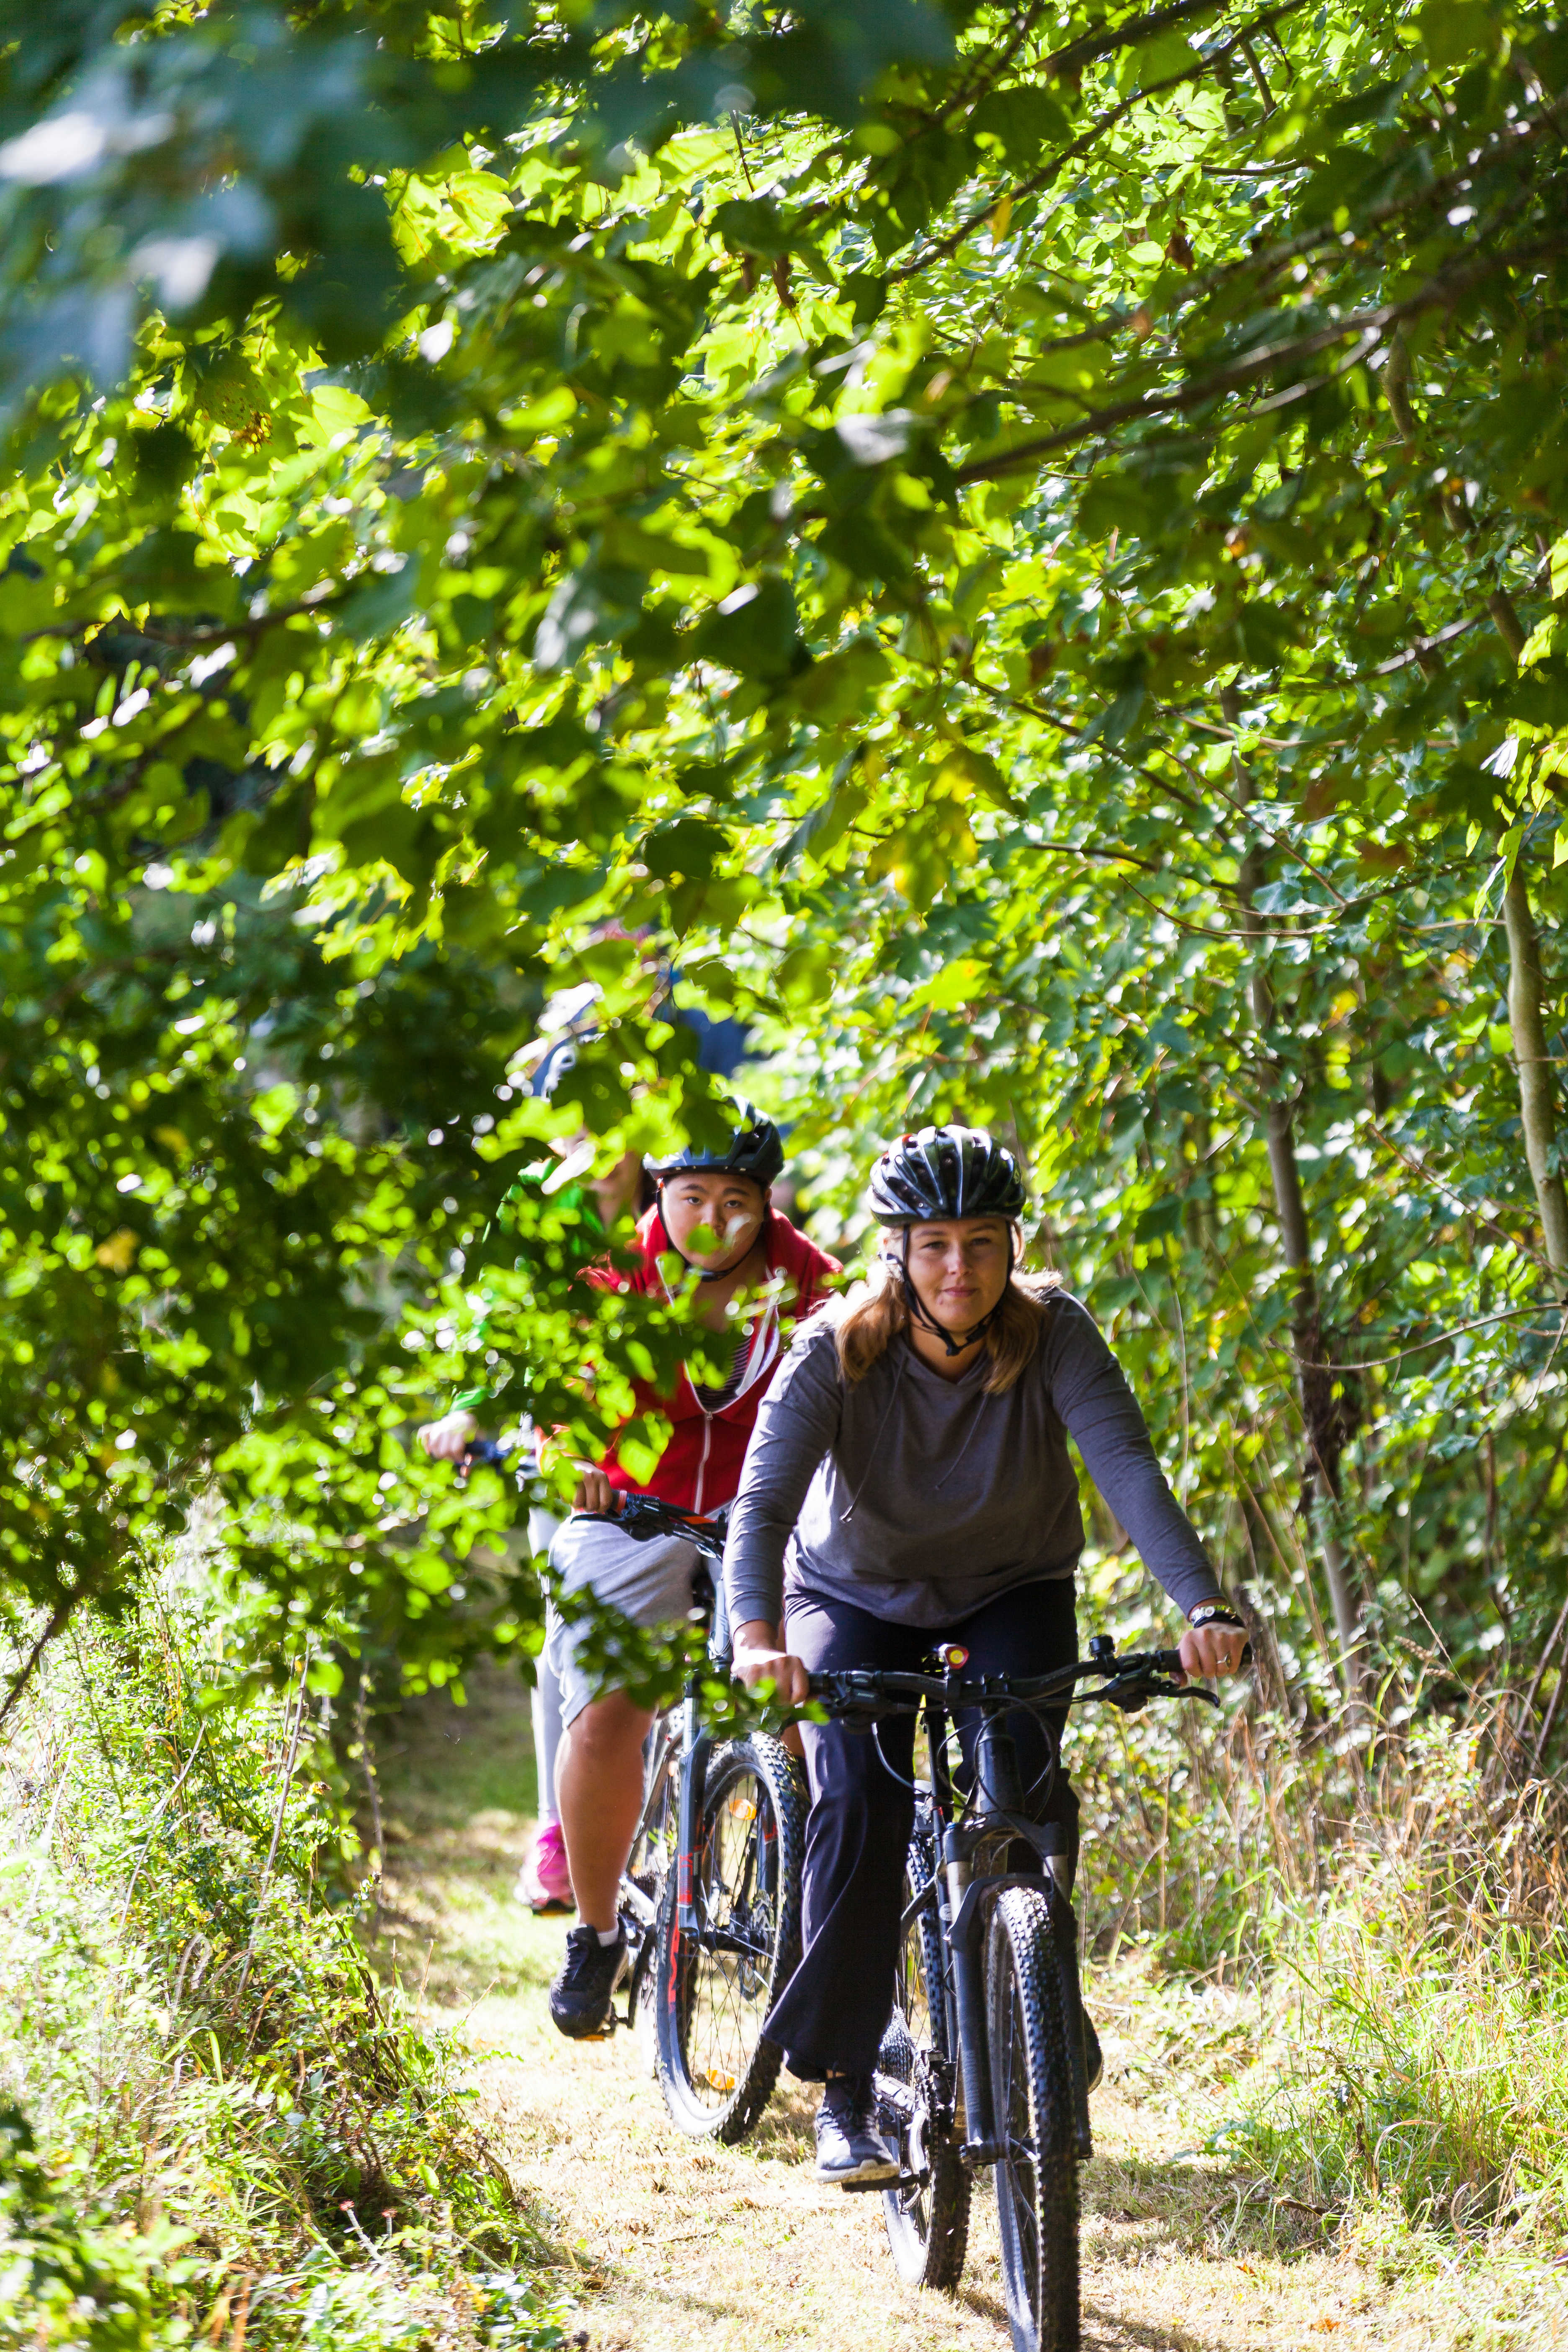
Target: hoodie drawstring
[974, 1426]
[871, 1450]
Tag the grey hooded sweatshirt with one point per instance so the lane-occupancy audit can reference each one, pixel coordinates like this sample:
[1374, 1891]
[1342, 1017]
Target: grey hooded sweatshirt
[920, 1498]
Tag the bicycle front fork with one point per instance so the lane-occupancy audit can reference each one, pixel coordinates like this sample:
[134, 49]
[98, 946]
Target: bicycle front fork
[695, 1745]
[967, 1911]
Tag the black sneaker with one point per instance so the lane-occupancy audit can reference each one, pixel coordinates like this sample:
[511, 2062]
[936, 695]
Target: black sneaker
[1093, 2056]
[849, 2148]
[582, 1995]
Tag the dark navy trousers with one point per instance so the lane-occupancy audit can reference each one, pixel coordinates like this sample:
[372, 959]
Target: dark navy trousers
[831, 2016]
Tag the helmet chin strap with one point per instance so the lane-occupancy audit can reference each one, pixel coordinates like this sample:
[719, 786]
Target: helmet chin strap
[921, 1313]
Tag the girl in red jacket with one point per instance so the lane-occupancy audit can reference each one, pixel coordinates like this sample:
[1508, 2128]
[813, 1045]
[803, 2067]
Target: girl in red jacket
[713, 1214]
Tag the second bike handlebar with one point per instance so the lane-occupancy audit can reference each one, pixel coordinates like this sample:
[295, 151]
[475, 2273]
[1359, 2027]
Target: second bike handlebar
[645, 1516]
[642, 1515]
[493, 1452]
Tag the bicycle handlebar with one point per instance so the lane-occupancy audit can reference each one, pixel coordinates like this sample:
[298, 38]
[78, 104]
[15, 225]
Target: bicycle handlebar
[1129, 1681]
[493, 1452]
[644, 1517]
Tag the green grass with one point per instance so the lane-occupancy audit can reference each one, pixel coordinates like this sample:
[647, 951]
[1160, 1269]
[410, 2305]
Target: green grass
[220, 2123]
[458, 1790]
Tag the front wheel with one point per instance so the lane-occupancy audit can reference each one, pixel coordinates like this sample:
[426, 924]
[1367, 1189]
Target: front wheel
[717, 1979]
[1035, 2122]
[649, 1867]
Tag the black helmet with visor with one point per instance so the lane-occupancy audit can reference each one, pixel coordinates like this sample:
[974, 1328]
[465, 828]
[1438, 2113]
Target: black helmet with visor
[754, 1147]
[946, 1171]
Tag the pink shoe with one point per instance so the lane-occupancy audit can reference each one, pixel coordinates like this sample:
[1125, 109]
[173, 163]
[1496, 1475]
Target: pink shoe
[545, 1881]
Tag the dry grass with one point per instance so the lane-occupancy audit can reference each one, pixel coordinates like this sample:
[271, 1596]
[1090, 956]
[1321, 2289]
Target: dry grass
[671, 2249]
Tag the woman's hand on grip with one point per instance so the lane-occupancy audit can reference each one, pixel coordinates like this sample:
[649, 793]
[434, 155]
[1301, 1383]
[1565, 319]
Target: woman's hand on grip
[759, 1656]
[1210, 1651]
[595, 1494]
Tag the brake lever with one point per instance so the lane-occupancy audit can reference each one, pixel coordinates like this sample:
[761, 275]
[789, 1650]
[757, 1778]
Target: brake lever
[1132, 1694]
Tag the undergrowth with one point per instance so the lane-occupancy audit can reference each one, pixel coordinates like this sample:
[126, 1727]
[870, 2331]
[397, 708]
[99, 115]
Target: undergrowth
[216, 2125]
[1392, 1901]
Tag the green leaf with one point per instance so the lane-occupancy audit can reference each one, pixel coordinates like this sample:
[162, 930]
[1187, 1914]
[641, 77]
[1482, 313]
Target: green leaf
[1024, 119]
[686, 849]
[754, 632]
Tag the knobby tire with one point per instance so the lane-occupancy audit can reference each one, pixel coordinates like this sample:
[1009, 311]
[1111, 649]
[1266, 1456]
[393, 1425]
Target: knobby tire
[1032, 2090]
[713, 1988]
[928, 2225]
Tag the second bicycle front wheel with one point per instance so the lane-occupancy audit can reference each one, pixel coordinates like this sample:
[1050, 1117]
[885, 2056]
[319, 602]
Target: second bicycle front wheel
[718, 1977]
[927, 2215]
[1033, 2108]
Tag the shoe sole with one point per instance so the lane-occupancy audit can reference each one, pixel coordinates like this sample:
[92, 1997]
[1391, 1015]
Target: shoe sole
[864, 2175]
[583, 2029]
[551, 1906]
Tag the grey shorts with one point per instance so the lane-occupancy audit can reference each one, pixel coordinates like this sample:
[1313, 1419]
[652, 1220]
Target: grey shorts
[649, 1583]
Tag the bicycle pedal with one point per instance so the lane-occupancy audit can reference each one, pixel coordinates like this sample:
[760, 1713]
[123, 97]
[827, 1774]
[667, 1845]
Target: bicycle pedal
[875, 2188]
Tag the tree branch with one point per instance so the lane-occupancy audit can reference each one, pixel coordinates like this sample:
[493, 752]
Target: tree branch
[949, 244]
[56, 1625]
[1370, 325]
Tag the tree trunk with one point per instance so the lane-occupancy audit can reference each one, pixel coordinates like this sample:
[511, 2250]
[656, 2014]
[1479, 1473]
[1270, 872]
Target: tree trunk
[1537, 1110]
[1315, 1385]
[1526, 1019]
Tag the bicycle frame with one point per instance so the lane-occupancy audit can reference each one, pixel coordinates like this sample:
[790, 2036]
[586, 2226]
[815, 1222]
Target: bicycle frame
[961, 1894]
[642, 1517]
[993, 1814]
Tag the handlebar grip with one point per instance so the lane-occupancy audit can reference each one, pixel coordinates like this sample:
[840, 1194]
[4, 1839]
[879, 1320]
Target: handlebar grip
[492, 1451]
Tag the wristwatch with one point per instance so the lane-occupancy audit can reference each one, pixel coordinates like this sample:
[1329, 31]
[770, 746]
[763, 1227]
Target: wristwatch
[1215, 1612]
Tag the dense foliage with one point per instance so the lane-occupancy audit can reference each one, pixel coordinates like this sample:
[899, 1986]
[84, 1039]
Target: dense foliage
[1016, 543]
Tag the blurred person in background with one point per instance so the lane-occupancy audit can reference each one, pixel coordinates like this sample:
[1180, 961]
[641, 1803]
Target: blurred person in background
[713, 1219]
[598, 1204]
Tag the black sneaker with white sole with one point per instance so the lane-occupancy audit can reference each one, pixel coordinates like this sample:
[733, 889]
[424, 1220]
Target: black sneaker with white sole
[583, 1994]
[849, 2148]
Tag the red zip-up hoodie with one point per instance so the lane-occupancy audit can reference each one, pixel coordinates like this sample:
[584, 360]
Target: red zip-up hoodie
[700, 1467]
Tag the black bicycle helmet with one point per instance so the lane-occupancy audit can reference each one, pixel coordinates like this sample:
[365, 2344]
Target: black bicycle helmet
[755, 1149]
[946, 1171]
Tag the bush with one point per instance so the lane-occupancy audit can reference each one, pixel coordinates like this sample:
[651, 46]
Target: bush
[1393, 1891]
[219, 2122]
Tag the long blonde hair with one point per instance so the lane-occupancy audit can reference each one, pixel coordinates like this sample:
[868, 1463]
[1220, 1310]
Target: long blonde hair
[877, 1311]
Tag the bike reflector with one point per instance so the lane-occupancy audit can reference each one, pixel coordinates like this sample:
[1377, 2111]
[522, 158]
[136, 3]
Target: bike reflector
[954, 1655]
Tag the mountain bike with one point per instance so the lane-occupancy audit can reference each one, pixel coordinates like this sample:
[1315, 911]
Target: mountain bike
[984, 2066]
[710, 1902]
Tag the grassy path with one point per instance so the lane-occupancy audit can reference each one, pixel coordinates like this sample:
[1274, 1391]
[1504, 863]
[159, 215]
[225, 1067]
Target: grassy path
[669, 2247]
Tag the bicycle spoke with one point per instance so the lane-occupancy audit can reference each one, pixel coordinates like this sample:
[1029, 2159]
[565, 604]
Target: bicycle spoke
[731, 1964]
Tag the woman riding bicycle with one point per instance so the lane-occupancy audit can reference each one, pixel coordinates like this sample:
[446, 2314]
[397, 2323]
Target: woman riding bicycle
[911, 1460]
